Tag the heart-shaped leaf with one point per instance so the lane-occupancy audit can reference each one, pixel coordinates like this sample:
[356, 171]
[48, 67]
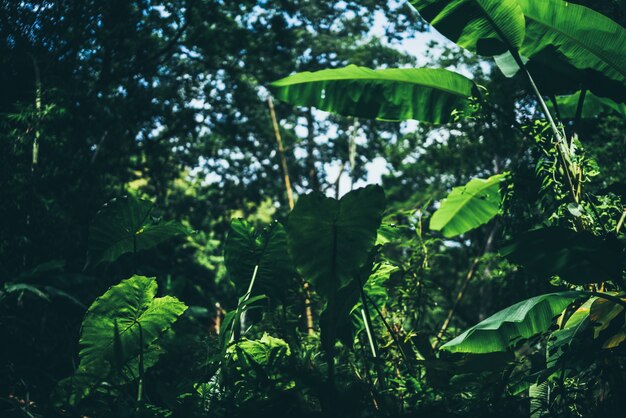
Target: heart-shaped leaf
[125, 225]
[119, 327]
[266, 251]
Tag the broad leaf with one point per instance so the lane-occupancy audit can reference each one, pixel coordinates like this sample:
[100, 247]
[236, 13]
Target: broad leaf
[264, 351]
[467, 207]
[125, 225]
[609, 322]
[424, 94]
[593, 106]
[570, 46]
[122, 324]
[576, 257]
[330, 241]
[487, 27]
[247, 248]
[520, 321]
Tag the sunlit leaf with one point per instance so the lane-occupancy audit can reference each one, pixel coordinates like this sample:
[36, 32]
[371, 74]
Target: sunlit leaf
[488, 27]
[123, 323]
[569, 46]
[467, 207]
[520, 321]
[424, 94]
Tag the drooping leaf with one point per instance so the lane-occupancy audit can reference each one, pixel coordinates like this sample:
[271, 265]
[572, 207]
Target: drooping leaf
[247, 248]
[125, 225]
[593, 106]
[520, 321]
[576, 257]
[609, 321]
[423, 94]
[123, 323]
[330, 241]
[571, 46]
[467, 207]
[487, 27]
[602, 312]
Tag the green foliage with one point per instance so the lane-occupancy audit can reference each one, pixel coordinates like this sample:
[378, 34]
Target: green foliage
[263, 352]
[568, 46]
[487, 27]
[120, 333]
[587, 40]
[168, 101]
[576, 257]
[247, 250]
[506, 327]
[593, 106]
[424, 94]
[330, 241]
[126, 225]
[467, 207]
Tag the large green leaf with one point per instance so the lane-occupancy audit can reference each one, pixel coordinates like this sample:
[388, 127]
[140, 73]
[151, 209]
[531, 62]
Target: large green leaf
[247, 248]
[122, 324]
[570, 46]
[488, 27]
[263, 352]
[330, 241]
[576, 257]
[468, 207]
[424, 94]
[522, 320]
[593, 106]
[125, 225]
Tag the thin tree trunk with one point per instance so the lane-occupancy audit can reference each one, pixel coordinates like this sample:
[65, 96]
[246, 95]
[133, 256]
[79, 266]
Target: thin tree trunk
[281, 153]
[314, 182]
[290, 200]
[35, 159]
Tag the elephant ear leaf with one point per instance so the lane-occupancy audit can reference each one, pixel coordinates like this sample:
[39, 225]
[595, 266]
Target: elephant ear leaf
[125, 225]
[520, 321]
[265, 251]
[120, 327]
[330, 241]
[424, 94]
[467, 207]
[486, 27]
